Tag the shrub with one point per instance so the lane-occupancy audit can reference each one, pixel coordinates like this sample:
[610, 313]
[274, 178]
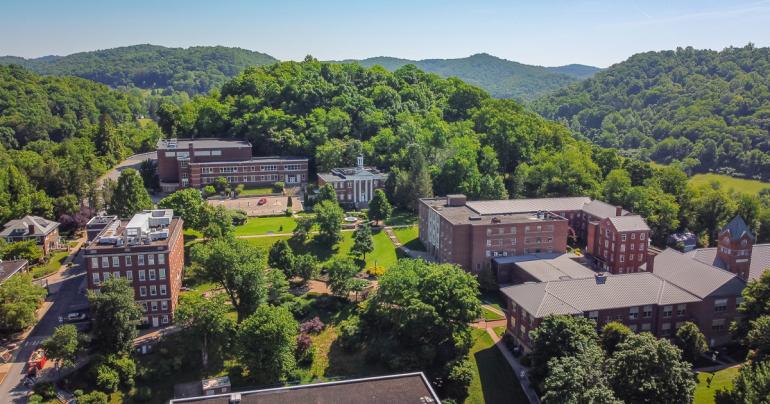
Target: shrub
[47, 391]
[375, 270]
[126, 369]
[35, 399]
[238, 217]
[350, 333]
[289, 212]
[312, 326]
[305, 349]
[458, 378]
[107, 378]
[299, 307]
[278, 187]
[94, 397]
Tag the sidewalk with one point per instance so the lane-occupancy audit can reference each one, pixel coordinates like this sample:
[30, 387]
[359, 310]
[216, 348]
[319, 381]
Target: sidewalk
[518, 369]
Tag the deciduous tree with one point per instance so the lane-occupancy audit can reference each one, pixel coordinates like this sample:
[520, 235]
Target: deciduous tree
[130, 195]
[267, 340]
[206, 323]
[115, 316]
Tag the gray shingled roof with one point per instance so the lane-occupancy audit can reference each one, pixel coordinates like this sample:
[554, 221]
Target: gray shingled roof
[20, 227]
[8, 268]
[549, 267]
[695, 276]
[629, 223]
[502, 206]
[737, 227]
[574, 296]
[760, 259]
[602, 209]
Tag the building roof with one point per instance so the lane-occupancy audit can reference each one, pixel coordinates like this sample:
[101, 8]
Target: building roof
[737, 228]
[463, 214]
[156, 227]
[697, 277]
[402, 388]
[8, 268]
[549, 267]
[201, 143]
[629, 223]
[575, 296]
[258, 159]
[602, 209]
[760, 259]
[352, 173]
[508, 206]
[20, 227]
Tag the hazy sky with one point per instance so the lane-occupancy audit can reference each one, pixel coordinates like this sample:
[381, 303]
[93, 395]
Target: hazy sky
[539, 32]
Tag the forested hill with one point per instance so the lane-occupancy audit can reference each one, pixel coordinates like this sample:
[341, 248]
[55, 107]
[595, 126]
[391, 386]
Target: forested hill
[501, 78]
[193, 70]
[708, 109]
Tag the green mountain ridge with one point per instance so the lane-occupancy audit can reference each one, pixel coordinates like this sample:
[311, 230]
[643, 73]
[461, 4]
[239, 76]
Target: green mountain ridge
[500, 77]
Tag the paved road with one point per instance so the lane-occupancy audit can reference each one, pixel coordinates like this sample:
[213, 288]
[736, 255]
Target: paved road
[65, 293]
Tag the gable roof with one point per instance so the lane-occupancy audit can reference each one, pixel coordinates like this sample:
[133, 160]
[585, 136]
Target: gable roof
[629, 223]
[602, 209]
[546, 267]
[20, 227]
[737, 228]
[695, 276]
[575, 296]
[8, 268]
[760, 259]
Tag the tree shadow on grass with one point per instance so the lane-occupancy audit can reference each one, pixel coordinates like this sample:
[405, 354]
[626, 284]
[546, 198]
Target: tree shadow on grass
[322, 251]
[346, 364]
[498, 382]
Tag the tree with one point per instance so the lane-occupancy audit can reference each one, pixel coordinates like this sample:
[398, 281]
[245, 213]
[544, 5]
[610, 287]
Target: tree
[25, 250]
[267, 340]
[754, 305]
[759, 338]
[578, 379]
[189, 205]
[304, 225]
[379, 207]
[341, 272]
[220, 222]
[612, 334]
[62, 347]
[94, 397]
[751, 386]
[645, 369]
[691, 341]
[205, 323]
[326, 193]
[305, 267]
[559, 336]
[115, 316]
[281, 257]
[362, 242]
[148, 169]
[459, 378]
[239, 267]
[130, 195]
[616, 186]
[19, 298]
[107, 140]
[329, 217]
[222, 185]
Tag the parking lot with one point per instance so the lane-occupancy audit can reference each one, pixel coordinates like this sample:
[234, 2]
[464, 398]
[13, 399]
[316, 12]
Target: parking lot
[274, 205]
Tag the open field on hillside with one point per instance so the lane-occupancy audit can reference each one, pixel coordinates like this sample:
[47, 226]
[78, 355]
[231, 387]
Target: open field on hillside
[737, 184]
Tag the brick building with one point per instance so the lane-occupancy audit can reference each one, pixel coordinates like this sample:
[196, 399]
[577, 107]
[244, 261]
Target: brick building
[148, 251]
[619, 244]
[198, 162]
[354, 185]
[45, 232]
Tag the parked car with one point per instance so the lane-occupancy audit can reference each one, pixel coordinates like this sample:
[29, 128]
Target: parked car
[75, 317]
[262, 201]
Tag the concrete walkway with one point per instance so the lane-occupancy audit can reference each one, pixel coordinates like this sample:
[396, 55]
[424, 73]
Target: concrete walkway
[518, 368]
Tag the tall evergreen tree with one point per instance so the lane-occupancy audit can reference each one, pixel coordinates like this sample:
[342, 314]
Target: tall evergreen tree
[130, 195]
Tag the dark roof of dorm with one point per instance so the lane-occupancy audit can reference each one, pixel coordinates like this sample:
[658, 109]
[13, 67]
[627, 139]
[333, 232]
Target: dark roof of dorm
[628, 223]
[760, 259]
[737, 228]
[549, 267]
[402, 388]
[699, 278]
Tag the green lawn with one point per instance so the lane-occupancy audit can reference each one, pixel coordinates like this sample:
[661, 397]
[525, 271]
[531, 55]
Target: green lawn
[265, 225]
[493, 379]
[722, 379]
[490, 315]
[499, 330]
[408, 236]
[736, 184]
[258, 191]
[401, 217]
[54, 263]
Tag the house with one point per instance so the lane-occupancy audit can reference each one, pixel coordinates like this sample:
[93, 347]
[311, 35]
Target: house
[400, 388]
[199, 162]
[10, 268]
[45, 232]
[354, 185]
[148, 251]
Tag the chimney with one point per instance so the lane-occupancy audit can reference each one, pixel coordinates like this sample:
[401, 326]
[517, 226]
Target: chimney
[31, 229]
[618, 211]
[456, 200]
[601, 278]
[360, 161]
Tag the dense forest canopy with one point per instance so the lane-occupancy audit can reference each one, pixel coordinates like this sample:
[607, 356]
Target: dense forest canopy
[192, 70]
[501, 78]
[709, 110]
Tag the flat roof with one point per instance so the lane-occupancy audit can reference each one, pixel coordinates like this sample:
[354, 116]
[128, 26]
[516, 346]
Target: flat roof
[505, 206]
[392, 389]
[120, 231]
[265, 159]
[549, 267]
[201, 143]
[466, 215]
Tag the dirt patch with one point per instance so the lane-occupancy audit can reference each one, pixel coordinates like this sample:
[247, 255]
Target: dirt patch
[274, 205]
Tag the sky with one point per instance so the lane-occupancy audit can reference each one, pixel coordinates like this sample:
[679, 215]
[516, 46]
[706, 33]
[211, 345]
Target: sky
[538, 32]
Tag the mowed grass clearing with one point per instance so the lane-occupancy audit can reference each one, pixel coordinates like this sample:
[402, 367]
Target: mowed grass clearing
[722, 379]
[493, 379]
[727, 182]
[266, 225]
[409, 237]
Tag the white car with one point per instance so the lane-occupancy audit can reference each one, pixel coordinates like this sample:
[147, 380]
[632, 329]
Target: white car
[74, 317]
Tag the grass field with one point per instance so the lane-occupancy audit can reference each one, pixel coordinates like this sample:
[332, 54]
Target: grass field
[401, 217]
[736, 184]
[408, 236]
[493, 379]
[723, 379]
[54, 263]
[490, 315]
[257, 191]
[265, 225]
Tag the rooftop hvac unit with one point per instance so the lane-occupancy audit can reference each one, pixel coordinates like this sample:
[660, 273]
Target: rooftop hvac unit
[235, 398]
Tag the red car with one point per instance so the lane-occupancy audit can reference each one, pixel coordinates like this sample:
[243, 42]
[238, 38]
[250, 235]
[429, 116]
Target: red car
[262, 201]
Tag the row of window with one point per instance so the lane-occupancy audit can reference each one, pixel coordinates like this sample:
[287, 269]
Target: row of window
[490, 254]
[128, 260]
[548, 227]
[153, 290]
[161, 275]
[246, 169]
[153, 305]
[247, 178]
[163, 319]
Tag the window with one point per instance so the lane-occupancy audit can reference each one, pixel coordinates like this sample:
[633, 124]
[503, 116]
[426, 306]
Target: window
[681, 310]
[667, 311]
[161, 258]
[718, 324]
[720, 305]
[143, 291]
[150, 259]
[170, 154]
[96, 278]
[154, 306]
[623, 237]
[622, 248]
[646, 327]
[106, 276]
[163, 290]
[130, 275]
[633, 313]
[270, 167]
[144, 306]
[105, 262]
[228, 170]
[633, 236]
[202, 153]
[513, 241]
[128, 261]
[152, 274]
[489, 243]
[116, 274]
[207, 170]
[161, 273]
[593, 315]
[141, 275]
[94, 262]
[641, 246]
[641, 236]
[292, 167]
[115, 262]
[216, 152]
[622, 258]
[153, 290]
[164, 319]
[164, 305]
[632, 327]
[665, 329]
[140, 260]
